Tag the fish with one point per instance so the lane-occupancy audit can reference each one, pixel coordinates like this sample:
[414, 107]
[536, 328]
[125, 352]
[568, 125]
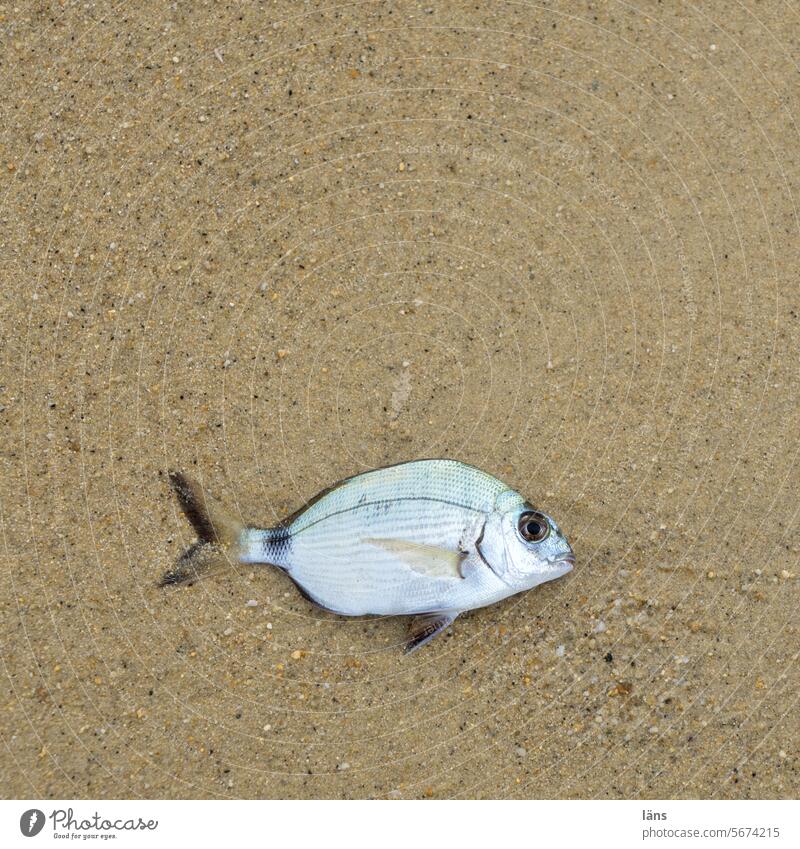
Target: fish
[429, 539]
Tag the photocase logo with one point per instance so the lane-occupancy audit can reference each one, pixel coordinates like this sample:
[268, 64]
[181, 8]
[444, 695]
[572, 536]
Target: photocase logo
[66, 824]
[31, 822]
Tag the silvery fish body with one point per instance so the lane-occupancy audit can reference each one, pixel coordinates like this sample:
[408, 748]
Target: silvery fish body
[430, 538]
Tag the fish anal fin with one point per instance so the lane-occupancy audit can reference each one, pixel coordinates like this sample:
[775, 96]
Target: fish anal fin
[425, 627]
[315, 601]
[428, 560]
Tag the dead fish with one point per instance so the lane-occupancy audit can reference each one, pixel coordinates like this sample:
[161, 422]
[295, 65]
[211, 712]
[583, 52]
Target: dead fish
[427, 538]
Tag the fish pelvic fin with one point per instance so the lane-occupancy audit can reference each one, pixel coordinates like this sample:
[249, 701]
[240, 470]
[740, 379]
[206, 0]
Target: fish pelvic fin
[220, 534]
[426, 626]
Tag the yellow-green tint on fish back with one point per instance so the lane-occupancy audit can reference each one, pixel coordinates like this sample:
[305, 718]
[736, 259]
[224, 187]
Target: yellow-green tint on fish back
[447, 482]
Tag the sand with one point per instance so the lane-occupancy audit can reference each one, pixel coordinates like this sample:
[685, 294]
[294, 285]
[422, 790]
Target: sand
[277, 244]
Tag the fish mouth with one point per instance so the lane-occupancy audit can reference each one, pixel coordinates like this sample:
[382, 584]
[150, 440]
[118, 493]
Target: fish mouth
[563, 564]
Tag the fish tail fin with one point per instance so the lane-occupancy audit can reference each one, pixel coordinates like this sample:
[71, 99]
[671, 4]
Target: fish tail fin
[220, 535]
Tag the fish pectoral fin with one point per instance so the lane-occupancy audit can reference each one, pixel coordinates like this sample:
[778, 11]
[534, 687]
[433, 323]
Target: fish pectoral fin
[425, 627]
[428, 560]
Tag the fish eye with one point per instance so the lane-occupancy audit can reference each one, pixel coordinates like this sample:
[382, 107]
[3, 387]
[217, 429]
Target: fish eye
[533, 526]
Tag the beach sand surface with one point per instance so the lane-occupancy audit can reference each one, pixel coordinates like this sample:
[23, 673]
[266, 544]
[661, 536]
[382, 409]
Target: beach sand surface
[276, 244]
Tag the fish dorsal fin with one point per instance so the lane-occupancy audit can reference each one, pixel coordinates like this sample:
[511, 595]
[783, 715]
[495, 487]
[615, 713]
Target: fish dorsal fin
[429, 560]
[425, 627]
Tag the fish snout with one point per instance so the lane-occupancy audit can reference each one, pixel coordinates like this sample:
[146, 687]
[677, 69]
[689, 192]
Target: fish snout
[563, 564]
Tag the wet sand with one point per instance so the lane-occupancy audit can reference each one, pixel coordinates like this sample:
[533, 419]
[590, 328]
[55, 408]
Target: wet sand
[277, 245]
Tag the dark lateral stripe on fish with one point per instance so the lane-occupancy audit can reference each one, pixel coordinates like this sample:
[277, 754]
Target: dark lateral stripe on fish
[382, 501]
[293, 517]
